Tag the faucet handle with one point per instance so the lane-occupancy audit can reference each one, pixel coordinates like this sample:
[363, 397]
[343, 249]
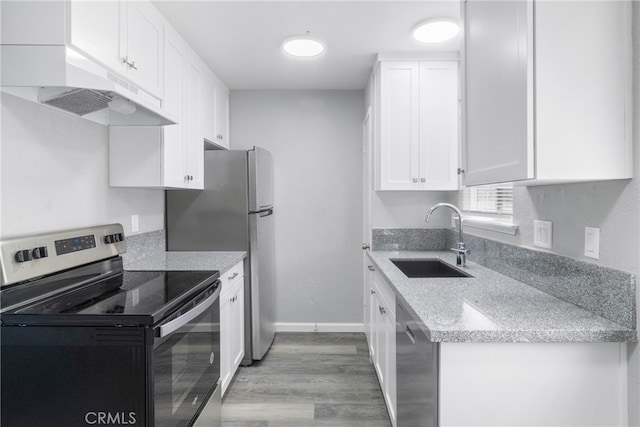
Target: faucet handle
[461, 250]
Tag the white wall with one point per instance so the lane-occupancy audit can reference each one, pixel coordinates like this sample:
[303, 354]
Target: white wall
[315, 138]
[408, 209]
[55, 175]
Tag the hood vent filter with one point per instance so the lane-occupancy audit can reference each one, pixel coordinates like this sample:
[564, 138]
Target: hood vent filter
[79, 101]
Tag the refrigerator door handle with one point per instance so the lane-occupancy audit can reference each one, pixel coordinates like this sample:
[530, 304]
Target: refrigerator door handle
[266, 213]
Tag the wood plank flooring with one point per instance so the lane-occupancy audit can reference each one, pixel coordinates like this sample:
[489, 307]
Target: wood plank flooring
[308, 379]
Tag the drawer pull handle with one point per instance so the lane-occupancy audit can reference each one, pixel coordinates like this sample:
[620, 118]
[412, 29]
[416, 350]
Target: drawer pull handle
[234, 276]
[410, 335]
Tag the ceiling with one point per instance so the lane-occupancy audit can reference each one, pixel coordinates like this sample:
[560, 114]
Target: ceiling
[240, 40]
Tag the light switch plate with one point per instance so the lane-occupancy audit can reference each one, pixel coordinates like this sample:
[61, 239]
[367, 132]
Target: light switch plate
[542, 234]
[135, 226]
[592, 242]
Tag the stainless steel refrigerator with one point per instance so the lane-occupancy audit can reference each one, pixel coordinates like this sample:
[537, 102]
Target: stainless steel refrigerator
[234, 212]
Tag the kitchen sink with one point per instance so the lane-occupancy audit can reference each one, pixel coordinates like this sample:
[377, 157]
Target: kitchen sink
[429, 267]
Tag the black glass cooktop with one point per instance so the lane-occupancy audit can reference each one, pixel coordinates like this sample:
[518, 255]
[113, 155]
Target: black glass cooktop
[140, 296]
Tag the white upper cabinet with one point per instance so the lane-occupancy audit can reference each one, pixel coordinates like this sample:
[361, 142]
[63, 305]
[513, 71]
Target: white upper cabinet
[126, 37]
[222, 116]
[144, 51]
[215, 112]
[96, 27]
[561, 115]
[193, 137]
[416, 117]
[170, 157]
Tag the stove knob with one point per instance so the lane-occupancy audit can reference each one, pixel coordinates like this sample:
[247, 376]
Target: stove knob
[40, 252]
[108, 239]
[23, 256]
[120, 237]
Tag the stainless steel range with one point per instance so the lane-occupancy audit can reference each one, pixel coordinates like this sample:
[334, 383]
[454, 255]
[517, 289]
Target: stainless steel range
[86, 343]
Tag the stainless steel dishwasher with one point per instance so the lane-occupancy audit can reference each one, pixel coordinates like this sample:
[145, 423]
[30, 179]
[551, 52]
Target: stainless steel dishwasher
[417, 373]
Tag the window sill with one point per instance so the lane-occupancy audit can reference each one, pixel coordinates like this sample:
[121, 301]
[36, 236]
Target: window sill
[491, 224]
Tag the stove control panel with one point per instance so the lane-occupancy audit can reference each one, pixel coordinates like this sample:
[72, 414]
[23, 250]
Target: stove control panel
[33, 256]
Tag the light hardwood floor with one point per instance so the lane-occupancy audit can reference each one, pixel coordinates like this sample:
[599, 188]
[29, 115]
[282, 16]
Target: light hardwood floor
[308, 379]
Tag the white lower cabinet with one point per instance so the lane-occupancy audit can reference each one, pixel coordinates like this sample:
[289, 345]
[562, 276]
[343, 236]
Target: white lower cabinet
[533, 384]
[231, 323]
[382, 342]
[549, 384]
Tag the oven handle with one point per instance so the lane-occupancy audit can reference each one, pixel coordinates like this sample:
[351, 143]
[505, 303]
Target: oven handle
[187, 317]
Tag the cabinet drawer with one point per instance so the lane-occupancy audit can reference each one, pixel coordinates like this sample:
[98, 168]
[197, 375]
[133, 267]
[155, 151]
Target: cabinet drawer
[386, 293]
[231, 277]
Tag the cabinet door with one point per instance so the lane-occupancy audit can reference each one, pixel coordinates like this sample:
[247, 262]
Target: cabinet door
[366, 296]
[373, 308]
[498, 85]
[380, 359]
[439, 125]
[390, 360]
[222, 117]
[95, 29]
[399, 127]
[237, 318]
[194, 158]
[208, 115]
[225, 339]
[145, 46]
[175, 60]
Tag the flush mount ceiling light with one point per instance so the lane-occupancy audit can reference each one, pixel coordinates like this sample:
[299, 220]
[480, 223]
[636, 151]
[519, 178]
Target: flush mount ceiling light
[435, 30]
[303, 46]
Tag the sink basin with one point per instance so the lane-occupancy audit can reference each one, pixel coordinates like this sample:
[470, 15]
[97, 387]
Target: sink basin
[429, 267]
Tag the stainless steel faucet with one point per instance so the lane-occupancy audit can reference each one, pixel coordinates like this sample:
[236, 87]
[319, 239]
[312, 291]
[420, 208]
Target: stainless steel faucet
[461, 251]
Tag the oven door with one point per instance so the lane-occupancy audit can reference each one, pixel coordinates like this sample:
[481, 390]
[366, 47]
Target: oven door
[186, 360]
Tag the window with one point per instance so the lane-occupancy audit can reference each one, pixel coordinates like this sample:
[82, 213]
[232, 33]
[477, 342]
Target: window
[491, 199]
[489, 207]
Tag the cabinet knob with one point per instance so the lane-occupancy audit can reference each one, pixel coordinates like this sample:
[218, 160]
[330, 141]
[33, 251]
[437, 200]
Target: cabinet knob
[372, 292]
[415, 179]
[133, 65]
[382, 310]
[370, 267]
[366, 246]
[423, 179]
[220, 137]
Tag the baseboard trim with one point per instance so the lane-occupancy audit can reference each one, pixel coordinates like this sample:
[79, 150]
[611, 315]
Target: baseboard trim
[319, 327]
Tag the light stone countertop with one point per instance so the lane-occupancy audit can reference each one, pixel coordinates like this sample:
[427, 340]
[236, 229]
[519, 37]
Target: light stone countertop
[188, 261]
[490, 307]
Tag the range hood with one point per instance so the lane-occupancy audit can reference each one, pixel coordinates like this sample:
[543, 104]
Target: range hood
[61, 78]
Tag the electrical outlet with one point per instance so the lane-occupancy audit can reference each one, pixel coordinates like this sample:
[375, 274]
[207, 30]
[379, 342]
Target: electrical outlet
[542, 234]
[135, 225]
[592, 242]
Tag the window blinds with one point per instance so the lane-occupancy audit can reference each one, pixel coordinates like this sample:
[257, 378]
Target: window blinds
[495, 198]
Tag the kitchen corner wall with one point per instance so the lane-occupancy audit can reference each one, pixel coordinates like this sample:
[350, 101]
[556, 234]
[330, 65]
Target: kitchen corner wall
[55, 175]
[315, 138]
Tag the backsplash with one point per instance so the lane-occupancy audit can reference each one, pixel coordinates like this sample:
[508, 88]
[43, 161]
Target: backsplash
[604, 291]
[409, 239]
[140, 246]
